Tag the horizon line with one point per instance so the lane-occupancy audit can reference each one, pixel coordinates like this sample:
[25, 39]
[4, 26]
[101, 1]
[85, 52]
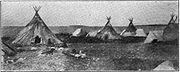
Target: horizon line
[104, 25]
[82, 0]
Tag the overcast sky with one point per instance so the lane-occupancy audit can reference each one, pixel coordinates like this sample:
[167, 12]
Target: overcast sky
[89, 13]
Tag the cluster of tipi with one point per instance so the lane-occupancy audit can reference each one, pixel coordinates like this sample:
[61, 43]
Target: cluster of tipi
[36, 31]
[170, 33]
[108, 32]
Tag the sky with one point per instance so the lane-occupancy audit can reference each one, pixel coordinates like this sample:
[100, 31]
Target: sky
[89, 13]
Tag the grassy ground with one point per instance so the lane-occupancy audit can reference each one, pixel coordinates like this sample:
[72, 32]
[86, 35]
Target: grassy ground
[101, 56]
[35, 62]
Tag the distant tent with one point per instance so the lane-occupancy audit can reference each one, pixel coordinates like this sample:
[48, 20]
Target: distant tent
[167, 65]
[154, 36]
[130, 30]
[171, 32]
[107, 32]
[140, 33]
[36, 32]
[92, 34]
[79, 32]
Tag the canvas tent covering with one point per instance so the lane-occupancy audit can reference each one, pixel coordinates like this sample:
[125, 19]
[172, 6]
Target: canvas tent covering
[79, 32]
[140, 33]
[7, 50]
[36, 32]
[131, 30]
[107, 32]
[154, 36]
[92, 34]
[170, 33]
[166, 65]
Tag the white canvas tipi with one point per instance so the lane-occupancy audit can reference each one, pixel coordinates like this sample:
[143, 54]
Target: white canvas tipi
[107, 32]
[79, 32]
[92, 34]
[140, 33]
[167, 65]
[154, 36]
[36, 32]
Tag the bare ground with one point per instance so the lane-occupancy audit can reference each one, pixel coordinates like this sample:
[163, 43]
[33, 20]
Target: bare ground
[101, 56]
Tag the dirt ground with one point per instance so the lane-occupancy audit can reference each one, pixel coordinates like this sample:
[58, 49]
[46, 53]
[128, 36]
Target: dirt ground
[101, 56]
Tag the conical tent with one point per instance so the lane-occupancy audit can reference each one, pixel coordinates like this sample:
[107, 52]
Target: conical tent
[79, 32]
[130, 30]
[140, 33]
[36, 32]
[171, 32]
[166, 65]
[92, 34]
[107, 32]
[154, 36]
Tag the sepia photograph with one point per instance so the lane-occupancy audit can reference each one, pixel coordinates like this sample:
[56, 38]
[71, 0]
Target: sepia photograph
[90, 35]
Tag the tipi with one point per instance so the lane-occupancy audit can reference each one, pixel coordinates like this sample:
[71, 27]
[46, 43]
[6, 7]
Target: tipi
[170, 33]
[79, 32]
[166, 65]
[130, 30]
[154, 36]
[92, 33]
[36, 32]
[107, 32]
[140, 33]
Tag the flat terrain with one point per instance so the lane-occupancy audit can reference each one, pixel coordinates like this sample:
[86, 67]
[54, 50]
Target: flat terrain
[103, 56]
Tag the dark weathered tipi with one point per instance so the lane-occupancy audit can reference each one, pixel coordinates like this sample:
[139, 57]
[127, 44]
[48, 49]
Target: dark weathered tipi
[107, 32]
[36, 32]
[131, 27]
[130, 30]
[171, 32]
